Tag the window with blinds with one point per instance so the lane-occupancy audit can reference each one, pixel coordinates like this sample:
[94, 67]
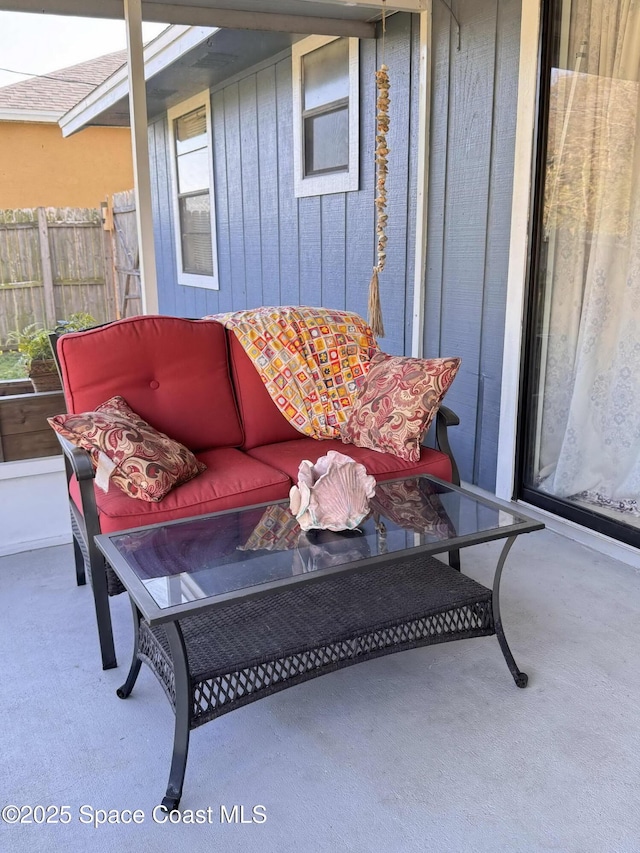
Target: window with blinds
[193, 192]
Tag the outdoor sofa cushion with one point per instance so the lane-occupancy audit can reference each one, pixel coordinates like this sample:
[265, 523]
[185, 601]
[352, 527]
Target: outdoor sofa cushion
[287, 456]
[173, 372]
[232, 479]
[262, 420]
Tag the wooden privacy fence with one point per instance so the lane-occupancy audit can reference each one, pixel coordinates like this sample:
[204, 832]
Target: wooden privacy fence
[57, 261]
[119, 216]
[52, 264]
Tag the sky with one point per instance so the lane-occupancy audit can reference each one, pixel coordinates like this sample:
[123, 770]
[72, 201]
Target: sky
[36, 44]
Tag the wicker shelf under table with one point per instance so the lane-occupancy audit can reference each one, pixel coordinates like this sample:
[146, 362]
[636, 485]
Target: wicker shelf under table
[242, 652]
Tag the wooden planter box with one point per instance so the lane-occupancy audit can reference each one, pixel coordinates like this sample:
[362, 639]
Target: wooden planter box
[9, 387]
[24, 431]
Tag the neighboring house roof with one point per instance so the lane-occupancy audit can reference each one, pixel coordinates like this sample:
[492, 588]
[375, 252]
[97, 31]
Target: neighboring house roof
[46, 98]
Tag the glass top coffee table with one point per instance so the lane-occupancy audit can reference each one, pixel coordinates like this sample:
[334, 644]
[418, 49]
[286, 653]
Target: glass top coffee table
[234, 606]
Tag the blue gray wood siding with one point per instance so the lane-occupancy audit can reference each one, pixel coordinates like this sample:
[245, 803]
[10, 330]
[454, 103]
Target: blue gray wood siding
[472, 145]
[274, 249]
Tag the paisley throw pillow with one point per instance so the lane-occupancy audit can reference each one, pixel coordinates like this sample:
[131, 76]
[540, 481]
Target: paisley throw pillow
[397, 402]
[127, 451]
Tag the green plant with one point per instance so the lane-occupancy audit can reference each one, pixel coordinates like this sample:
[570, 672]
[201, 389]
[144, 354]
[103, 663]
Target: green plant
[33, 341]
[76, 322]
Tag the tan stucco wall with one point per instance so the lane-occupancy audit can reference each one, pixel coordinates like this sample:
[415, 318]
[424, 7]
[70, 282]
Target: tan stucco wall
[38, 167]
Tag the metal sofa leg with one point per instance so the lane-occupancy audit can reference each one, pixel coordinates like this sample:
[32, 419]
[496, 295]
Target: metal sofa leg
[85, 525]
[81, 577]
[103, 613]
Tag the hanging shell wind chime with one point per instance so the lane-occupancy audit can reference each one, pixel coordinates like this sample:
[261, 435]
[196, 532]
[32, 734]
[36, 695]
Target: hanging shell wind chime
[382, 153]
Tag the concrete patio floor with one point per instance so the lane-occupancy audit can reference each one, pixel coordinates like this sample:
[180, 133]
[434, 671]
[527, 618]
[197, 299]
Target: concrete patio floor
[429, 750]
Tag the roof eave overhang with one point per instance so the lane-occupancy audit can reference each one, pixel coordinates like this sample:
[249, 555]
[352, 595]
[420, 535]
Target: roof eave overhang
[158, 55]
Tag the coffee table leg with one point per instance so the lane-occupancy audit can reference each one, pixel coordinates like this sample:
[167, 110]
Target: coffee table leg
[183, 716]
[521, 678]
[136, 663]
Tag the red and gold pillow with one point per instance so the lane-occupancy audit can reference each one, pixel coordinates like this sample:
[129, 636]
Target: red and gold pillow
[143, 462]
[397, 402]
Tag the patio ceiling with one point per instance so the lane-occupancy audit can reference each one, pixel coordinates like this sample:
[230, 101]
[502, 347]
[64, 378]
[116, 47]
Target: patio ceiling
[322, 17]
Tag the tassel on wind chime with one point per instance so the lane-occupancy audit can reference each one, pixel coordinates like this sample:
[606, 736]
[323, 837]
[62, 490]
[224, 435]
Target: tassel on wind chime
[382, 153]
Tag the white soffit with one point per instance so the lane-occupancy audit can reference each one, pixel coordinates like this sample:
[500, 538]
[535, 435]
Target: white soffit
[158, 55]
[321, 17]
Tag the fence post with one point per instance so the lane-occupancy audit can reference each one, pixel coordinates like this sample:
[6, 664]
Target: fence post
[47, 273]
[110, 274]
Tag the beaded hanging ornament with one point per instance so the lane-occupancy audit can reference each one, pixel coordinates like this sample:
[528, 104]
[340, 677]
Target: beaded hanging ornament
[382, 153]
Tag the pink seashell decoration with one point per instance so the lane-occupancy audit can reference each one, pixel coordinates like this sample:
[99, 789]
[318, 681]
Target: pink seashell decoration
[333, 494]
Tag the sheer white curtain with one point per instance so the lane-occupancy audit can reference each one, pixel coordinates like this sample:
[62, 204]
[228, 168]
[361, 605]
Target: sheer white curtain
[590, 425]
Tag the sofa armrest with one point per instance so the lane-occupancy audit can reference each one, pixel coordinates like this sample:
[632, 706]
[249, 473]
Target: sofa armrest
[78, 459]
[444, 419]
[78, 463]
[447, 416]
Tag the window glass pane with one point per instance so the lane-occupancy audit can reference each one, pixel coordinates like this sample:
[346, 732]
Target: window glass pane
[326, 142]
[195, 231]
[191, 130]
[326, 74]
[584, 410]
[193, 171]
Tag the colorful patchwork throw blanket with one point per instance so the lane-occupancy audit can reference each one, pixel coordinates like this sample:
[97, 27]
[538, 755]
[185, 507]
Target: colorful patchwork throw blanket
[311, 361]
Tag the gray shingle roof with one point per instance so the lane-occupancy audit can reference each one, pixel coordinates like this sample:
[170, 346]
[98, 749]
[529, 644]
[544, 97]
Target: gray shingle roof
[68, 86]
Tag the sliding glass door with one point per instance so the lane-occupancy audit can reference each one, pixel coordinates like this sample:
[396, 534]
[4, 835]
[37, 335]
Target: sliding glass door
[580, 425]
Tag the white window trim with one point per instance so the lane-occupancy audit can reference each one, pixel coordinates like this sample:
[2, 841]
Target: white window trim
[524, 157]
[211, 282]
[338, 182]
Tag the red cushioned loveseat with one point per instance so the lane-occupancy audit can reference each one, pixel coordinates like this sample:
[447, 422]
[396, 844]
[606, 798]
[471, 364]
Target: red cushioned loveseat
[192, 380]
